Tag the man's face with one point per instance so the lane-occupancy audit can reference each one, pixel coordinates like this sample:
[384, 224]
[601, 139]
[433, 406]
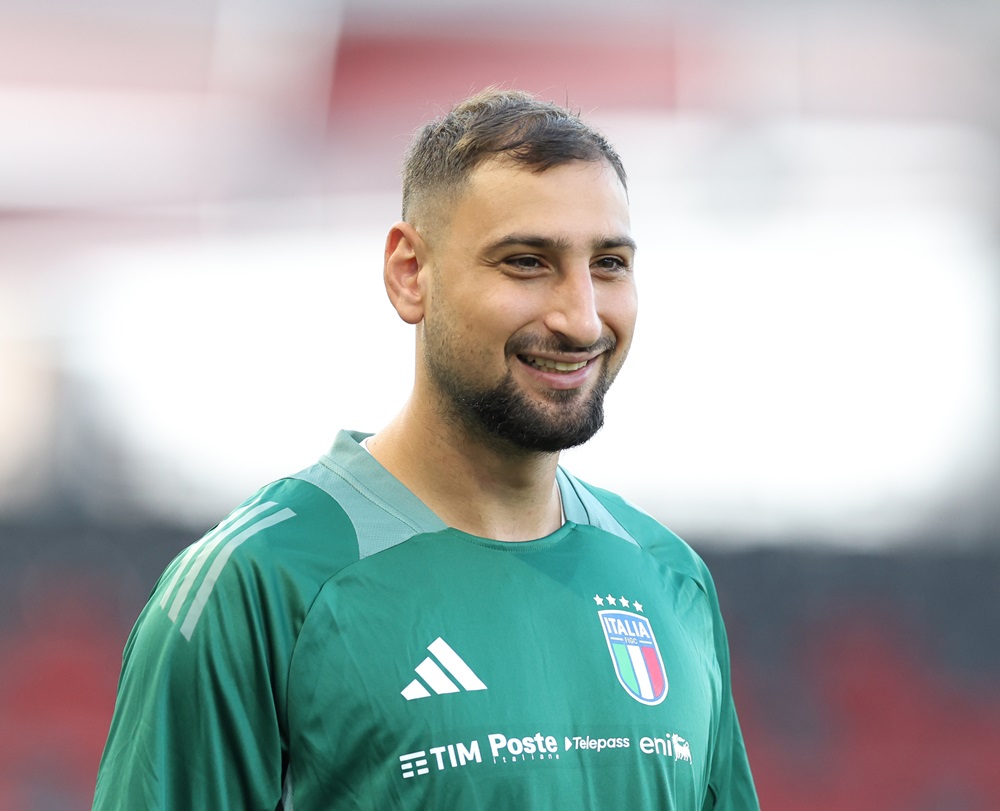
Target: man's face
[531, 304]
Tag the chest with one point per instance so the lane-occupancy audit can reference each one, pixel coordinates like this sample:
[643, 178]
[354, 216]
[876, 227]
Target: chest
[465, 673]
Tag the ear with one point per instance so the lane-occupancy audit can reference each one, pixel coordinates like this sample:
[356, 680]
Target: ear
[405, 253]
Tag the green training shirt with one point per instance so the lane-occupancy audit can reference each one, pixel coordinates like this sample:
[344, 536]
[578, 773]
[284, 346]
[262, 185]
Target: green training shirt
[333, 645]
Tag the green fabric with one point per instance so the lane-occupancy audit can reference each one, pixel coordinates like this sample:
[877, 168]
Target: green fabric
[333, 645]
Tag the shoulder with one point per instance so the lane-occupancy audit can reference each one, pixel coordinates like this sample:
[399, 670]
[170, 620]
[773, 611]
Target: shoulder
[288, 517]
[650, 534]
[280, 545]
[286, 524]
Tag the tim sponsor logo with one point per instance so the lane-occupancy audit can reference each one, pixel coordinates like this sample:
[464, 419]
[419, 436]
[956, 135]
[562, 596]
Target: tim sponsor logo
[449, 756]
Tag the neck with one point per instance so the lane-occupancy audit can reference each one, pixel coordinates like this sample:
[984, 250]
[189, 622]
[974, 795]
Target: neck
[475, 486]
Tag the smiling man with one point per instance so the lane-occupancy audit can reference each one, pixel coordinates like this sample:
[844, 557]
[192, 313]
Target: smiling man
[540, 268]
[438, 616]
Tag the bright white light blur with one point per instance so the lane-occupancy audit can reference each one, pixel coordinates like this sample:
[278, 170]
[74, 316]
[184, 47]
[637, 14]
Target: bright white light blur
[62, 148]
[228, 363]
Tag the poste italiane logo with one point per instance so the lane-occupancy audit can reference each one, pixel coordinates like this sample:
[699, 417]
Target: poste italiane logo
[633, 649]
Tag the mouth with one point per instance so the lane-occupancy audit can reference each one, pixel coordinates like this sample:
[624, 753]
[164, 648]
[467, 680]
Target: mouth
[547, 365]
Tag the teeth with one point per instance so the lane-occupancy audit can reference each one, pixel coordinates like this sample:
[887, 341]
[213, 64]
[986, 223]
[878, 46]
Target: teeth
[559, 366]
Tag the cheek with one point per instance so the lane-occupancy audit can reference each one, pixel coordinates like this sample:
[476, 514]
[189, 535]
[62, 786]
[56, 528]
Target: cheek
[620, 311]
[468, 339]
[493, 320]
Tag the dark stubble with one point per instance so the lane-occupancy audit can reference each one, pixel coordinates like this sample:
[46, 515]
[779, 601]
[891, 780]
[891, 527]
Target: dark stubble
[502, 415]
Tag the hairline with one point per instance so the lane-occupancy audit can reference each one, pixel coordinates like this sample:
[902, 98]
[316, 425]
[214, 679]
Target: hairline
[446, 194]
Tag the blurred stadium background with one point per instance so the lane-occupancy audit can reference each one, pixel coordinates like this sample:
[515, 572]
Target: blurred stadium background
[193, 198]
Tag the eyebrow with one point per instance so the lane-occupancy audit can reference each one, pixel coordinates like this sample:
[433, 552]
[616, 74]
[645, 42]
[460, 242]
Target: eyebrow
[557, 243]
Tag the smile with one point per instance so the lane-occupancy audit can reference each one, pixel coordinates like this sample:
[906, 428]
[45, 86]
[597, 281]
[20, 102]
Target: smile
[552, 365]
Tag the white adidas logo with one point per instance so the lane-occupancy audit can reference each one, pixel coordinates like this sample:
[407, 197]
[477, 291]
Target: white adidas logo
[438, 681]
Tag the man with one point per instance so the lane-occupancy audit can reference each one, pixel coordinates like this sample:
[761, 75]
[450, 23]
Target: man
[437, 616]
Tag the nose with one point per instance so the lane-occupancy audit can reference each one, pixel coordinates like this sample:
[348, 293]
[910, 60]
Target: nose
[573, 313]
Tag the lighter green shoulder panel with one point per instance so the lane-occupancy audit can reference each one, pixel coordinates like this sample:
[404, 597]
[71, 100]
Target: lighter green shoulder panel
[385, 512]
[621, 517]
[288, 526]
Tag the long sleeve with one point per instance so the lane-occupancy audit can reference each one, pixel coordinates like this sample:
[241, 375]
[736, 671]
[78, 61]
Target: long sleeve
[731, 786]
[196, 725]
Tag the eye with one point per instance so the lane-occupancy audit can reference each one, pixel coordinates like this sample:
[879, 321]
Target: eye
[524, 264]
[611, 264]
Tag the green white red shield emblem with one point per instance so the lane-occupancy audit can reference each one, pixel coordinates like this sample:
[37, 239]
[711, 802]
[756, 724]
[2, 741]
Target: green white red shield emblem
[635, 655]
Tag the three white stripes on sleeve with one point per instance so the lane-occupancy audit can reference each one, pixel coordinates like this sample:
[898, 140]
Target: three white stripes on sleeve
[227, 536]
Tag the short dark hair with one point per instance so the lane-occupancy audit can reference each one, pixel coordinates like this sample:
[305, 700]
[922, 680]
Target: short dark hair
[496, 123]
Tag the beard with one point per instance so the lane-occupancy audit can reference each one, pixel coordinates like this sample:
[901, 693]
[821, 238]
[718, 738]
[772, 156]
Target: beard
[503, 415]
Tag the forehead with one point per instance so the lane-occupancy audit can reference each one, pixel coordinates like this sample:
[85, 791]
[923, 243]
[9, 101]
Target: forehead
[581, 198]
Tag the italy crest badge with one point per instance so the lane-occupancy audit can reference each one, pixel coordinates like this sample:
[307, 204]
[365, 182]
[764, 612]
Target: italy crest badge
[635, 655]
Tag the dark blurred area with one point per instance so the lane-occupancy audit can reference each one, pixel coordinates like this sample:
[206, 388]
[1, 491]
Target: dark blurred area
[192, 204]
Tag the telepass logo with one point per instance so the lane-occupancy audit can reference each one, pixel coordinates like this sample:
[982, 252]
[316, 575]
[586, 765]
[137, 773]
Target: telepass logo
[635, 655]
